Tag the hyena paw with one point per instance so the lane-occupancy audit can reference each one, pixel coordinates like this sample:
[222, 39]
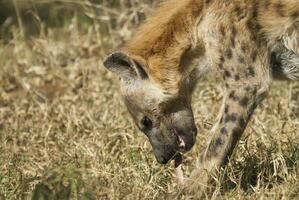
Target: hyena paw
[200, 183]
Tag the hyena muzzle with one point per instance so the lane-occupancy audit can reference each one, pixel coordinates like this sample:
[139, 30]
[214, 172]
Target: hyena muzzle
[167, 121]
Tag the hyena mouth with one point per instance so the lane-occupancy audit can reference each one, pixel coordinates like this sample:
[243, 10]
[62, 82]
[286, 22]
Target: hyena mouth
[180, 142]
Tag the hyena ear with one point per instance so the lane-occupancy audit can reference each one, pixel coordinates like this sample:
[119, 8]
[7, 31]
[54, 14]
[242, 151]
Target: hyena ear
[125, 66]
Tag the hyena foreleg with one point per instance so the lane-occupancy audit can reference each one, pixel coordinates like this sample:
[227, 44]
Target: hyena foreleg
[238, 106]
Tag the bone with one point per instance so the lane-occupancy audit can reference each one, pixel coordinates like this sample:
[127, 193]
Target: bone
[179, 174]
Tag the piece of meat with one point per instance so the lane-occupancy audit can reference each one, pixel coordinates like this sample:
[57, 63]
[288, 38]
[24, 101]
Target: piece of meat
[179, 175]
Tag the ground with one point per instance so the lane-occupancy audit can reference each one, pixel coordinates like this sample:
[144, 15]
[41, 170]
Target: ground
[65, 133]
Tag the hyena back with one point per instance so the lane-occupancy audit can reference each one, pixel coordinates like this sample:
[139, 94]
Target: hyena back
[250, 42]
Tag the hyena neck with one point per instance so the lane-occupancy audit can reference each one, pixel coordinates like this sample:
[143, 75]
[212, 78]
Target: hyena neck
[167, 37]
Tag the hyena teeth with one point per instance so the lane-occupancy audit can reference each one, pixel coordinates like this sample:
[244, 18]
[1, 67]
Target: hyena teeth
[181, 143]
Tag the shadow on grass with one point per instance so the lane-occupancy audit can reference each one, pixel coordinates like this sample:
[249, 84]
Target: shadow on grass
[62, 184]
[264, 171]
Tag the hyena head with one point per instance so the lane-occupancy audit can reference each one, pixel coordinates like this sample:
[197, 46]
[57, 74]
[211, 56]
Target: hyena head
[167, 120]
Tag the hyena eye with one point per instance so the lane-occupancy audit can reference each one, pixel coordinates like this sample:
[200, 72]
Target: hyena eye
[147, 123]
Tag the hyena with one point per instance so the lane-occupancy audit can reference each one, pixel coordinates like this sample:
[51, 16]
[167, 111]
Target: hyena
[250, 42]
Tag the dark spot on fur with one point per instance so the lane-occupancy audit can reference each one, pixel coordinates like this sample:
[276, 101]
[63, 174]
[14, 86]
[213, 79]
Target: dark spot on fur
[253, 56]
[255, 10]
[222, 59]
[238, 10]
[266, 3]
[234, 31]
[212, 149]
[233, 96]
[230, 118]
[250, 24]
[254, 92]
[237, 77]
[222, 30]
[236, 134]
[232, 41]
[226, 109]
[208, 1]
[251, 89]
[244, 47]
[239, 13]
[251, 71]
[248, 88]
[227, 73]
[228, 53]
[295, 15]
[254, 27]
[279, 8]
[223, 130]
[218, 142]
[241, 60]
[244, 101]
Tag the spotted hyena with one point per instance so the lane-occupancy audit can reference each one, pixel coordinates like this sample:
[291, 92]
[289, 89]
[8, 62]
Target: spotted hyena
[250, 42]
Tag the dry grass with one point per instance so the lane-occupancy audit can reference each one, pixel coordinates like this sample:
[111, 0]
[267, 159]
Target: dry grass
[65, 134]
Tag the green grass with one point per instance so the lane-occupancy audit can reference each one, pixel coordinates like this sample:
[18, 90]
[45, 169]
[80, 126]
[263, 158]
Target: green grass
[65, 133]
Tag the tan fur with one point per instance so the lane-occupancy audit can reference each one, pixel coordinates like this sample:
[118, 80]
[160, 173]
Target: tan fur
[164, 38]
[281, 25]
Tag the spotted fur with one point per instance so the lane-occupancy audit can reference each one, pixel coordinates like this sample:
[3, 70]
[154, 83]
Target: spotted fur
[250, 42]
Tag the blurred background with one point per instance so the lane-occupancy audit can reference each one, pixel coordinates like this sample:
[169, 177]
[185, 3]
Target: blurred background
[34, 18]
